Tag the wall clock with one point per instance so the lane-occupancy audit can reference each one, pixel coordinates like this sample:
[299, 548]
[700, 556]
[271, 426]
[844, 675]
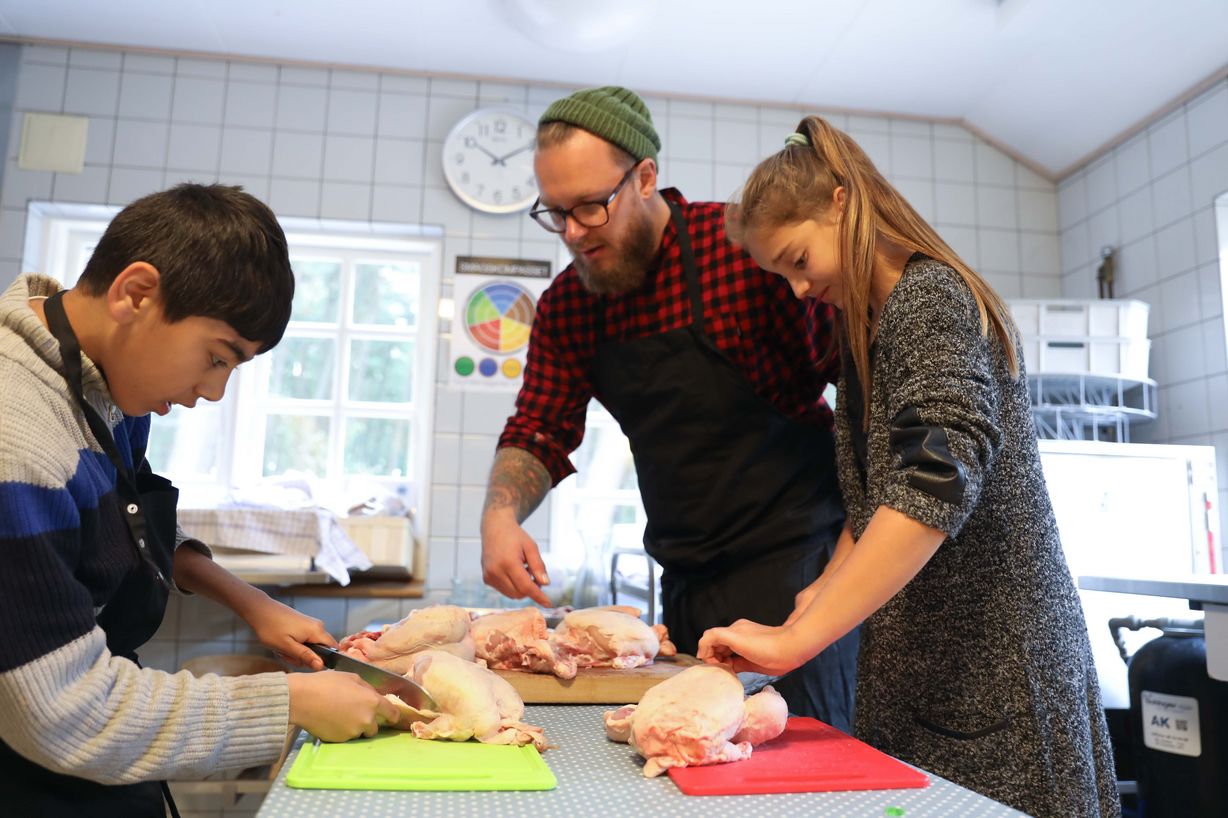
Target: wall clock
[488, 160]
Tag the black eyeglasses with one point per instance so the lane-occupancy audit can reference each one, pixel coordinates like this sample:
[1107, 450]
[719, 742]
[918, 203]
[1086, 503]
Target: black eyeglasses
[586, 214]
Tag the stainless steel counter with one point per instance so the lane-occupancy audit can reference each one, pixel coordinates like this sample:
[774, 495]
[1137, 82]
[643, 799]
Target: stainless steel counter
[1206, 591]
[597, 777]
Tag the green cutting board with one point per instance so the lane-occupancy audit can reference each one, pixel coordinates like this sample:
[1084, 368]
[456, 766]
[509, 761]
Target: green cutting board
[395, 760]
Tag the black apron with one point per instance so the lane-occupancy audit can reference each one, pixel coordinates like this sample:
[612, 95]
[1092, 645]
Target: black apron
[129, 618]
[743, 503]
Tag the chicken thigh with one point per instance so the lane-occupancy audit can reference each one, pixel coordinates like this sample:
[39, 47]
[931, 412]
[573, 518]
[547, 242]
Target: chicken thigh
[473, 703]
[603, 637]
[445, 627]
[700, 716]
[519, 640]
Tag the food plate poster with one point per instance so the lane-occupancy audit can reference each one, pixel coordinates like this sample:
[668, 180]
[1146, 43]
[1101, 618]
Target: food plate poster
[495, 303]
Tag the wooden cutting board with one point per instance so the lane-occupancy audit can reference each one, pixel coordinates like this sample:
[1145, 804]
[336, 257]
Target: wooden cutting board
[596, 685]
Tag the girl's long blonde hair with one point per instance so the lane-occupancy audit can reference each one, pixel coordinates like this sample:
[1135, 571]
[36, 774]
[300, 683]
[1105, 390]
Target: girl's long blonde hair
[798, 183]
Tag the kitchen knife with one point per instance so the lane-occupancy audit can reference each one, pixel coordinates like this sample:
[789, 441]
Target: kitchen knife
[384, 681]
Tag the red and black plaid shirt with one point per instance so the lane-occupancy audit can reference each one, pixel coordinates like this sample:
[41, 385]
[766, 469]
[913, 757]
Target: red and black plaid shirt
[781, 344]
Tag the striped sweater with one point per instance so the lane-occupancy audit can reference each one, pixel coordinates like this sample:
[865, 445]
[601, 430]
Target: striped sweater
[66, 703]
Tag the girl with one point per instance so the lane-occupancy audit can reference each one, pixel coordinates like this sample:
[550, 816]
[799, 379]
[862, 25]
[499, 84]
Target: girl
[975, 662]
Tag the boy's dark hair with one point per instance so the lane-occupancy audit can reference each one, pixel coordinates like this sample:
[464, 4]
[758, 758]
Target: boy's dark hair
[219, 252]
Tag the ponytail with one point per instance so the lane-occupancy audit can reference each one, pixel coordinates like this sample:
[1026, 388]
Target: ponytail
[786, 188]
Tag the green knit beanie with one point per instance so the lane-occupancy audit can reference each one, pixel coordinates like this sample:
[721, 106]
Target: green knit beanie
[615, 114]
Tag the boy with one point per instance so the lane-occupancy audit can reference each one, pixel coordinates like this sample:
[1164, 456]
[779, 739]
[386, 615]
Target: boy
[184, 286]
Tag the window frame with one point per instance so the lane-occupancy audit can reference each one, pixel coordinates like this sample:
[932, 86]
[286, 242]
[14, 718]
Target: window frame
[57, 233]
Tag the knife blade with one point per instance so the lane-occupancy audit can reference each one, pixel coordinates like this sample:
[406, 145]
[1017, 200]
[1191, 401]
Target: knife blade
[384, 681]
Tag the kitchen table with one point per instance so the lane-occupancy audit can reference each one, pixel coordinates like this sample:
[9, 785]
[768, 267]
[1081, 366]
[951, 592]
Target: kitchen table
[598, 777]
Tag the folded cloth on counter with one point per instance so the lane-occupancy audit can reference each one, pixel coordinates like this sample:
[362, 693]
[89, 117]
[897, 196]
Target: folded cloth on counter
[310, 532]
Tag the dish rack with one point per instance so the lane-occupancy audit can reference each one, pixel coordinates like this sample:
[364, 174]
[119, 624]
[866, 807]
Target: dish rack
[1087, 366]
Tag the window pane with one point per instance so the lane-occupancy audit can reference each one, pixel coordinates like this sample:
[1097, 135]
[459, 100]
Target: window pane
[183, 444]
[382, 371]
[303, 368]
[386, 294]
[296, 442]
[377, 446]
[603, 460]
[317, 290]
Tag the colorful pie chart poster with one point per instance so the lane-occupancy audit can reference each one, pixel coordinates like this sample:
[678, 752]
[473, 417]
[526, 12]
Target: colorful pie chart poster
[490, 329]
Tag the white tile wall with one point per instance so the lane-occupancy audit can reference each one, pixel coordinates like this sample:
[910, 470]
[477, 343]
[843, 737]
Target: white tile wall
[363, 144]
[1151, 197]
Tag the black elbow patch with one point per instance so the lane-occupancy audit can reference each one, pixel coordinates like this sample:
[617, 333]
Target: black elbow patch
[924, 449]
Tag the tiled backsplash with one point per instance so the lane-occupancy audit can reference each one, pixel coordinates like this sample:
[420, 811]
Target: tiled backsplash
[320, 142]
[366, 145]
[1152, 199]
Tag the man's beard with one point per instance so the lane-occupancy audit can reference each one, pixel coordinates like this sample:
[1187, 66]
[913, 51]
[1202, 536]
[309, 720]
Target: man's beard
[628, 263]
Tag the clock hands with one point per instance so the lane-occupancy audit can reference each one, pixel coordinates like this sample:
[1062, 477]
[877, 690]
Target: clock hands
[521, 149]
[494, 160]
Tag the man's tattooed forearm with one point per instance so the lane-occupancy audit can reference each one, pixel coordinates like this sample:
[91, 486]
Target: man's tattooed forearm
[519, 481]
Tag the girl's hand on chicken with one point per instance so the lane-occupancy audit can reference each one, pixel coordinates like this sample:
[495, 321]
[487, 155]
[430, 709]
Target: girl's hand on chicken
[749, 646]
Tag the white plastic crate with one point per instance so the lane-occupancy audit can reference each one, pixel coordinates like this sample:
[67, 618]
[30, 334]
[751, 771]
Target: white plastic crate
[387, 541]
[1072, 318]
[1121, 357]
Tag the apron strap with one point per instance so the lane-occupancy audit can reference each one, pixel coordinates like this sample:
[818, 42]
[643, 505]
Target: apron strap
[70, 354]
[125, 482]
[688, 267]
[689, 271]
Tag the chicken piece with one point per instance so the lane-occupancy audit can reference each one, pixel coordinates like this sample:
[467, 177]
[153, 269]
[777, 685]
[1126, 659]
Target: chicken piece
[607, 638]
[445, 627]
[700, 716]
[519, 640]
[473, 703]
[766, 716]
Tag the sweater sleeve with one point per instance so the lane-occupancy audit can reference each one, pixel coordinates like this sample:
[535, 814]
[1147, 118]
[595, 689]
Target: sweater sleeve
[80, 711]
[941, 395]
[65, 702]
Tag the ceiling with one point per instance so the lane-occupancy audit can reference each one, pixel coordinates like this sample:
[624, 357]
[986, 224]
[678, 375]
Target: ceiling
[1053, 81]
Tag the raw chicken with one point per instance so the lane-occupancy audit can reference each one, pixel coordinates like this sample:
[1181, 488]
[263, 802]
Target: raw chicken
[700, 716]
[602, 637]
[445, 627]
[473, 703]
[519, 640]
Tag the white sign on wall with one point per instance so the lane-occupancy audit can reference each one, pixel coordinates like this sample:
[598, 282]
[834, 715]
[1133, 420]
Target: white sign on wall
[496, 302]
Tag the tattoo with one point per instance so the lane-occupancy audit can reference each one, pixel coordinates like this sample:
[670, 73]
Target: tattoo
[519, 481]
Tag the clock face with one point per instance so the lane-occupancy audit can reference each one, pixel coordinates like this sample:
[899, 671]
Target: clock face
[488, 160]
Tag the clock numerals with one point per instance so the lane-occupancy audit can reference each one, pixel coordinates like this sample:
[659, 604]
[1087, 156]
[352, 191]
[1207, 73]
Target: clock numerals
[489, 161]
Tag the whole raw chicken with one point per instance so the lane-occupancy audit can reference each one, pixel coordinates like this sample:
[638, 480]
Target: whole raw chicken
[700, 716]
[519, 640]
[445, 627]
[607, 637]
[473, 703]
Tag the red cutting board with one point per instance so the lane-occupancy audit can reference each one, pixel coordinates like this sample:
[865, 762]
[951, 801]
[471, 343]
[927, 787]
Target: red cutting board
[809, 756]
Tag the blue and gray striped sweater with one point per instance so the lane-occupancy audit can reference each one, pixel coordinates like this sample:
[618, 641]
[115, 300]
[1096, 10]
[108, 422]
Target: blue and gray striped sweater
[65, 702]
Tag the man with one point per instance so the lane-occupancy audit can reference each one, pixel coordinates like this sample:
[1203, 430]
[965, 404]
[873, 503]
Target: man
[713, 370]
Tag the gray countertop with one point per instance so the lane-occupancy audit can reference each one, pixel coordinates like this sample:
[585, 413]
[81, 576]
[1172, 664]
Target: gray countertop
[1211, 588]
[597, 777]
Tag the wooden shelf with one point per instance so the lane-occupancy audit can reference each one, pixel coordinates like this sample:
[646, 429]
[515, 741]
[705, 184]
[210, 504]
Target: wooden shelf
[376, 589]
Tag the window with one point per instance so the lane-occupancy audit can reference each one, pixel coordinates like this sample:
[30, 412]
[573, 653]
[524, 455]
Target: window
[597, 513]
[342, 396]
[346, 396]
